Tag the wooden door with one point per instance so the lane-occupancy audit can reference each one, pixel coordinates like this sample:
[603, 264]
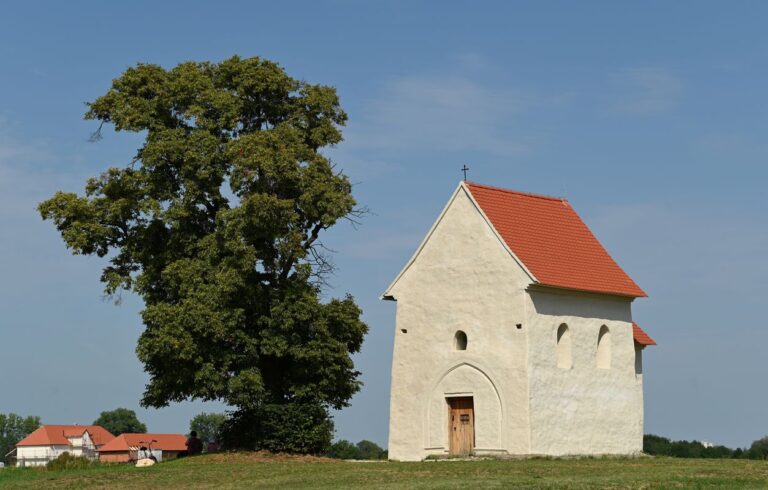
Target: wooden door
[461, 425]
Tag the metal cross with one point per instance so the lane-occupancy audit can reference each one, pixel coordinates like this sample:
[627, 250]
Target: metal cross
[464, 169]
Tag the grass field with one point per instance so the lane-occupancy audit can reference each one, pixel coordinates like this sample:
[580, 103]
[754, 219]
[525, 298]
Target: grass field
[253, 470]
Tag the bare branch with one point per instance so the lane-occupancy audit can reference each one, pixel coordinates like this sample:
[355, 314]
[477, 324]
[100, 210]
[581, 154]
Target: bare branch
[357, 214]
[322, 264]
[96, 135]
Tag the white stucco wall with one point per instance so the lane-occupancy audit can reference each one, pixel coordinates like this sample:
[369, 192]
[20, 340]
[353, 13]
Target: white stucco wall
[584, 409]
[462, 279]
[38, 455]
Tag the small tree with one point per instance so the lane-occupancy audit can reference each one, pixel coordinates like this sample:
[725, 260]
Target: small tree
[369, 450]
[14, 428]
[120, 421]
[343, 449]
[208, 426]
[759, 449]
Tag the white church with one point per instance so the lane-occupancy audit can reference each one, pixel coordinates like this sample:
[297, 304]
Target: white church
[514, 335]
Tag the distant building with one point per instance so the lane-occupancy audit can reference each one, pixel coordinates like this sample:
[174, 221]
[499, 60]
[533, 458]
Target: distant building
[514, 335]
[50, 441]
[129, 447]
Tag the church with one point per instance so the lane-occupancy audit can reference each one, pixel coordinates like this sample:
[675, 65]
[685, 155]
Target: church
[514, 335]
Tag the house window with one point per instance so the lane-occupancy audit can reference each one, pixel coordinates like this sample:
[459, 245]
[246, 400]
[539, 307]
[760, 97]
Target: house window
[638, 358]
[604, 348]
[460, 341]
[564, 357]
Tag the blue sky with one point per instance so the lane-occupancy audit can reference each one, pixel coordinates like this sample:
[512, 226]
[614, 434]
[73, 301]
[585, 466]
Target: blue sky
[649, 117]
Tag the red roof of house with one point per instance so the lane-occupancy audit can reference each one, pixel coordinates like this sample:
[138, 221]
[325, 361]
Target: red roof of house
[165, 442]
[49, 435]
[640, 336]
[552, 241]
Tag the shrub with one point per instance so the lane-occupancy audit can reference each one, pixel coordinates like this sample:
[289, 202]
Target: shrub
[66, 461]
[364, 449]
[718, 452]
[657, 445]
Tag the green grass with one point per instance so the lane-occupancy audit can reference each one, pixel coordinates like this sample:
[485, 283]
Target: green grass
[248, 470]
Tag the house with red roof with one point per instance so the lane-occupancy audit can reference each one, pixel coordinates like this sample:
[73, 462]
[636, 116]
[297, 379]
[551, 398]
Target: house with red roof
[48, 442]
[514, 335]
[132, 447]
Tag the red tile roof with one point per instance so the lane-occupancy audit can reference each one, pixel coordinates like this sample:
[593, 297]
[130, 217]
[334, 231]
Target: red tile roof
[552, 241]
[165, 442]
[640, 336]
[49, 435]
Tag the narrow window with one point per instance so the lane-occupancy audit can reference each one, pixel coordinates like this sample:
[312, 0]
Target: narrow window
[564, 358]
[638, 358]
[460, 341]
[604, 348]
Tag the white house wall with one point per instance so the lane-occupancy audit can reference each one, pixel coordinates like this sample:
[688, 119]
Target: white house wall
[584, 409]
[38, 455]
[462, 279]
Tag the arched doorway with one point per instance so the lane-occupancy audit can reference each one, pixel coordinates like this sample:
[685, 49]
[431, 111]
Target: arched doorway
[464, 390]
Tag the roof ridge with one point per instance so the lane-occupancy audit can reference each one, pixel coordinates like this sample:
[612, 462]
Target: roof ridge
[521, 193]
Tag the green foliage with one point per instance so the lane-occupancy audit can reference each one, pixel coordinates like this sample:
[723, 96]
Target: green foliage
[719, 451]
[120, 421]
[208, 426]
[370, 450]
[343, 449]
[14, 428]
[216, 224]
[758, 449]
[66, 461]
[298, 427]
[661, 446]
[657, 445]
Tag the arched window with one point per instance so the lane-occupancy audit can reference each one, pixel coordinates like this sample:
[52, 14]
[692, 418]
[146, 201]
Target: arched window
[604, 348]
[564, 358]
[460, 341]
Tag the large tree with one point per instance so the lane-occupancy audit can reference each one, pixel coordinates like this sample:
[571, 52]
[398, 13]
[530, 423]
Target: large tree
[216, 224]
[120, 421]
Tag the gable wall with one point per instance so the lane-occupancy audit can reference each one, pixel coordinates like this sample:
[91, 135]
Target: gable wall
[462, 279]
[583, 409]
